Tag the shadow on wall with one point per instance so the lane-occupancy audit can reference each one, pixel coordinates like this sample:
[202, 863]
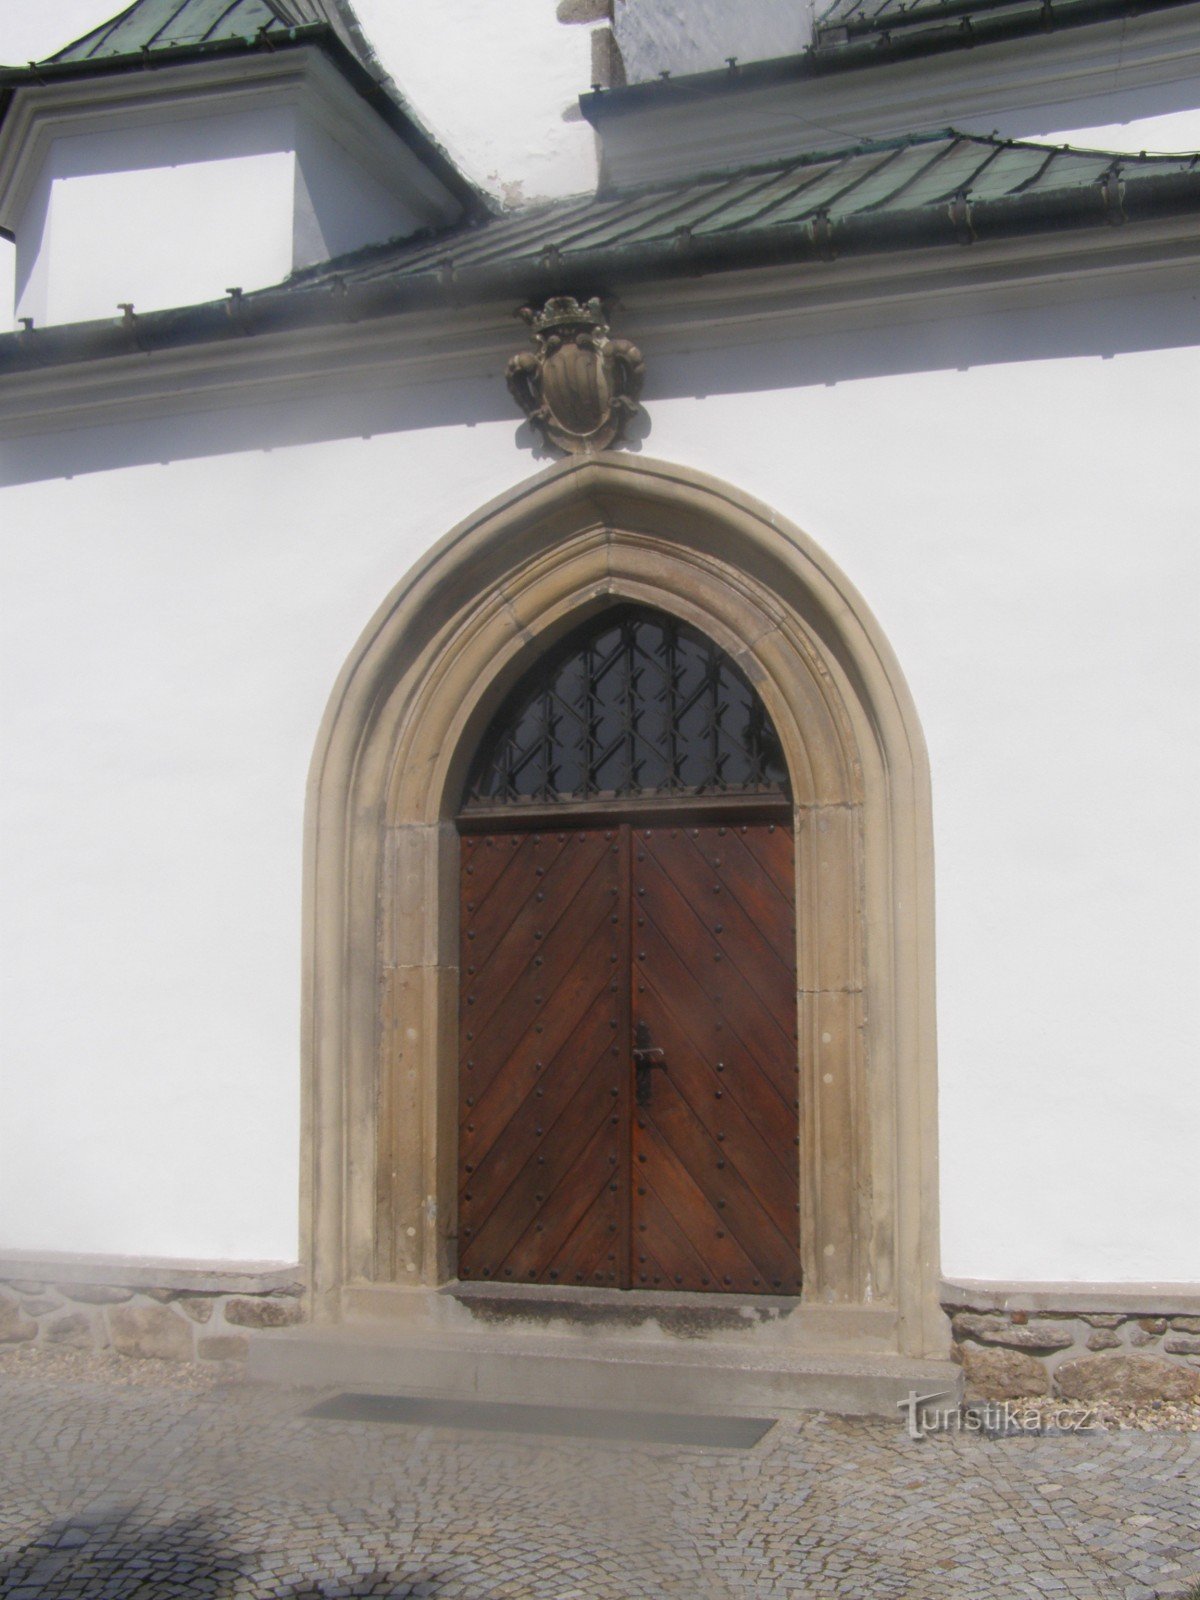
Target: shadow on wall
[105, 1553]
[1106, 327]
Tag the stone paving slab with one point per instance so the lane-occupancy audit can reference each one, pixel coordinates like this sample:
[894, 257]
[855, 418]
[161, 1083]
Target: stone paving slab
[157, 1484]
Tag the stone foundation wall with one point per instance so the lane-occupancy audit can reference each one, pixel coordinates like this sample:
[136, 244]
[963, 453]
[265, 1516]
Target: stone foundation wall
[190, 1316]
[1127, 1356]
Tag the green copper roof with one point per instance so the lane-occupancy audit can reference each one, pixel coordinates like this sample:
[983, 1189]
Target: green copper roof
[930, 22]
[934, 192]
[168, 24]
[884, 193]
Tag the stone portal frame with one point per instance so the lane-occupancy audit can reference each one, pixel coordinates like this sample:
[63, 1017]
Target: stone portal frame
[381, 871]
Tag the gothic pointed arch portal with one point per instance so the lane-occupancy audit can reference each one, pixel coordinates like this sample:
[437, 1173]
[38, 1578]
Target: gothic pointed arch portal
[382, 934]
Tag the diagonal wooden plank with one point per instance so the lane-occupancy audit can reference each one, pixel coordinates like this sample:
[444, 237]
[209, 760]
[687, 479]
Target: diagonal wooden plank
[591, 1252]
[665, 1174]
[660, 1237]
[492, 1168]
[586, 1039]
[559, 1146]
[763, 953]
[541, 965]
[585, 1184]
[706, 1004]
[764, 857]
[549, 997]
[487, 923]
[485, 859]
[738, 1108]
[726, 1193]
[682, 923]
[532, 933]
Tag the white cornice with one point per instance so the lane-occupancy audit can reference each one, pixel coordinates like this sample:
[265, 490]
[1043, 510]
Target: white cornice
[987, 86]
[723, 310]
[303, 81]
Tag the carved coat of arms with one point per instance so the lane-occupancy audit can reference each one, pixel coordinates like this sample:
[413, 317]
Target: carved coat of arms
[580, 388]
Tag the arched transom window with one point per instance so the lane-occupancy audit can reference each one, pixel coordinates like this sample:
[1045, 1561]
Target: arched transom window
[632, 704]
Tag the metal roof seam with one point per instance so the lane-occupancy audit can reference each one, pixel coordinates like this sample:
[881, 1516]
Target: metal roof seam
[170, 22]
[789, 196]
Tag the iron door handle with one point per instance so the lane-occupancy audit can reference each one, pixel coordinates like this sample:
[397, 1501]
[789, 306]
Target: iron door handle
[646, 1057]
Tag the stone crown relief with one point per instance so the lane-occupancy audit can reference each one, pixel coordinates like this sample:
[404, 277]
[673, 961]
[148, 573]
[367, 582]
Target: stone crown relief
[580, 388]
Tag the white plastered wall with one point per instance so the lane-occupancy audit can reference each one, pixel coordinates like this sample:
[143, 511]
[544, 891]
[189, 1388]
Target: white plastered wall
[681, 36]
[177, 212]
[1021, 521]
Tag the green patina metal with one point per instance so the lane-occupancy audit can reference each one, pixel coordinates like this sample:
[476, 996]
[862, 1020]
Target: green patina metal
[933, 191]
[171, 24]
[890, 191]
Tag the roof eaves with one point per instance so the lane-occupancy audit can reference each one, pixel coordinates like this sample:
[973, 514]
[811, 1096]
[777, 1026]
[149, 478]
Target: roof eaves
[339, 299]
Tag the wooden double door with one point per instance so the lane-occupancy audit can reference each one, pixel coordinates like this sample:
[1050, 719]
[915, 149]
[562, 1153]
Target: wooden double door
[628, 1110]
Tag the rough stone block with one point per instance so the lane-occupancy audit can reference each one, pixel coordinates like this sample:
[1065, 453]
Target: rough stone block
[1128, 1379]
[997, 1374]
[197, 1306]
[1140, 1336]
[1102, 1319]
[223, 1347]
[73, 1328]
[1103, 1339]
[585, 10]
[264, 1312]
[37, 1305]
[15, 1326]
[1182, 1344]
[999, 1330]
[1153, 1324]
[96, 1294]
[26, 1286]
[1186, 1324]
[153, 1332]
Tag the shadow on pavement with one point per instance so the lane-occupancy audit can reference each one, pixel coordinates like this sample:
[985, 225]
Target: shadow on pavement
[105, 1555]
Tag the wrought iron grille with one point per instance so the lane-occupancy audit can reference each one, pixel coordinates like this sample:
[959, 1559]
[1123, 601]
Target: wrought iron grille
[633, 703]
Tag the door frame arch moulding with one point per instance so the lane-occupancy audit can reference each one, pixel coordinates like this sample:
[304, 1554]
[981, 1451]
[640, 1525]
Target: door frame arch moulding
[380, 1031]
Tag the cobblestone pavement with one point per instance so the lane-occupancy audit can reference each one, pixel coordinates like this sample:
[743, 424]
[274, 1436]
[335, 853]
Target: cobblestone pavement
[157, 1483]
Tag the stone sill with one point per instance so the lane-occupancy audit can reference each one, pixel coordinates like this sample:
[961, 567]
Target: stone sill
[1134, 1299]
[153, 1272]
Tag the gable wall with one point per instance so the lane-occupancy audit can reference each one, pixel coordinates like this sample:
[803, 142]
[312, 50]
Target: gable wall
[1005, 491]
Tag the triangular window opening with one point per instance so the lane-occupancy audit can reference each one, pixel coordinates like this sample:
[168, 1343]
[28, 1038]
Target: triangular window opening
[632, 704]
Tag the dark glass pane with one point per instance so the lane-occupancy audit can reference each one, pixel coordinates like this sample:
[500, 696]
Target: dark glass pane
[632, 703]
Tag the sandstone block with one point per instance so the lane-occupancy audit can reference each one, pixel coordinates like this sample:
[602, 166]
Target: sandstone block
[1103, 1339]
[1186, 1324]
[263, 1312]
[36, 1305]
[223, 1347]
[72, 1328]
[15, 1326]
[1153, 1324]
[1182, 1344]
[196, 1306]
[96, 1294]
[153, 1332]
[1102, 1319]
[999, 1330]
[998, 1374]
[1129, 1380]
[585, 10]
